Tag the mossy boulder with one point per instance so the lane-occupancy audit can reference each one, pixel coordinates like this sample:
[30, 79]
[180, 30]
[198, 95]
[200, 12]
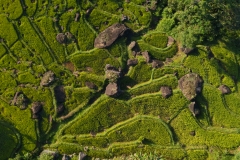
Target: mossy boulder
[109, 35]
[190, 85]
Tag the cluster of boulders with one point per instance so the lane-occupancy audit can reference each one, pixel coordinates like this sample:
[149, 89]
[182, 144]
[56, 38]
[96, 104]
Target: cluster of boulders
[112, 74]
[64, 38]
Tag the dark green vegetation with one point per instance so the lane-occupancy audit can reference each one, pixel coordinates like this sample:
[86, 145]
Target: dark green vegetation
[140, 123]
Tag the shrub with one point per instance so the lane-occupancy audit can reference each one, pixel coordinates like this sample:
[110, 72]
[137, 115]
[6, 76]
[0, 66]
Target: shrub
[157, 39]
[11, 36]
[13, 8]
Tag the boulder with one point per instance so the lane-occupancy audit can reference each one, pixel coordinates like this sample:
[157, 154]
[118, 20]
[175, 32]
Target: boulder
[91, 85]
[132, 62]
[190, 85]
[112, 90]
[170, 41]
[109, 35]
[111, 73]
[65, 157]
[20, 100]
[146, 56]
[192, 107]
[59, 93]
[166, 91]
[47, 78]
[81, 156]
[224, 89]
[61, 38]
[157, 63]
[36, 108]
[60, 108]
[187, 50]
[132, 45]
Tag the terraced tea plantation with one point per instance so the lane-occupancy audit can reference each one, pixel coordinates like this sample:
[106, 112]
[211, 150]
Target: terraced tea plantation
[61, 96]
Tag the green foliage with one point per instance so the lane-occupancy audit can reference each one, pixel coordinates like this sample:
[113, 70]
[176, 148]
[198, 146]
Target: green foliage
[12, 8]
[159, 53]
[96, 61]
[154, 86]
[7, 81]
[8, 141]
[31, 7]
[11, 36]
[27, 77]
[197, 154]
[104, 114]
[158, 40]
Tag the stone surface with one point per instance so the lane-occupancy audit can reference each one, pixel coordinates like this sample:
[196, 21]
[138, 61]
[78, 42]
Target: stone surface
[192, 107]
[170, 41]
[109, 35]
[59, 93]
[132, 45]
[224, 89]
[60, 108]
[132, 62]
[81, 156]
[111, 73]
[190, 85]
[112, 90]
[91, 85]
[146, 56]
[36, 107]
[166, 91]
[47, 78]
[61, 38]
[20, 100]
[187, 50]
[157, 63]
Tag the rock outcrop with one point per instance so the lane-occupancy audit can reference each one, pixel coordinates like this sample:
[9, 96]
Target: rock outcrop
[36, 108]
[112, 90]
[224, 89]
[132, 62]
[109, 35]
[192, 107]
[47, 78]
[146, 56]
[190, 85]
[166, 91]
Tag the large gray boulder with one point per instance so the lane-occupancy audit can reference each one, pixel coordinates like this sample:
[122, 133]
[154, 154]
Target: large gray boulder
[190, 85]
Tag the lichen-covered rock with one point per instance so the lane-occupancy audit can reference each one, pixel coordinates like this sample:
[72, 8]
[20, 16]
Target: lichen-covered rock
[132, 45]
[166, 91]
[157, 63]
[112, 90]
[111, 73]
[190, 85]
[47, 78]
[91, 85]
[132, 62]
[192, 107]
[109, 35]
[224, 89]
[170, 41]
[81, 156]
[20, 100]
[146, 56]
[61, 38]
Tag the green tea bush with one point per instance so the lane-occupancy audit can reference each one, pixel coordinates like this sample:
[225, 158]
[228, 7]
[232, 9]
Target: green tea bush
[27, 77]
[87, 77]
[8, 141]
[84, 35]
[157, 105]
[25, 126]
[12, 8]
[154, 86]
[197, 154]
[47, 29]
[11, 36]
[141, 72]
[96, 60]
[104, 114]
[2, 51]
[101, 20]
[139, 17]
[31, 7]
[7, 81]
[160, 72]
[159, 53]
[226, 58]
[111, 6]
[157, 39]
[76, 96]
[33, 41]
